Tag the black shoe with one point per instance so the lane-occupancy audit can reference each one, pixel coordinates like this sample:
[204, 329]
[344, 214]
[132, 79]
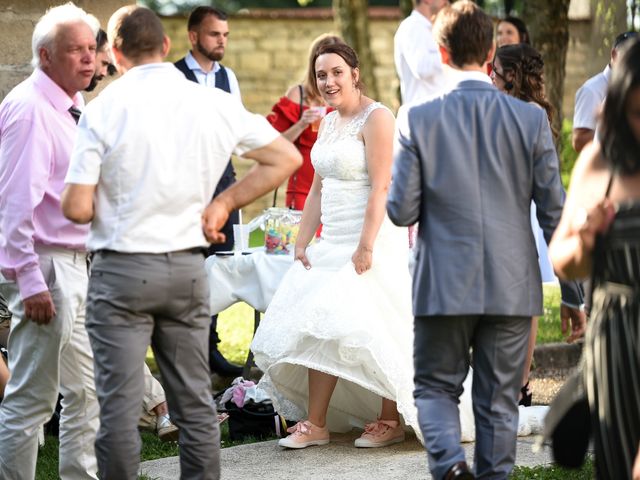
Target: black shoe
[527, 396]
[459, 471]
[220, 365]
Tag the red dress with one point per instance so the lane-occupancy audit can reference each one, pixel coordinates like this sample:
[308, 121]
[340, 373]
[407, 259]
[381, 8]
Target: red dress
[283, 115]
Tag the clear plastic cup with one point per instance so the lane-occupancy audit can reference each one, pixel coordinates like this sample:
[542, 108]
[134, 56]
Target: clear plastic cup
[240, 237]
[322, 111]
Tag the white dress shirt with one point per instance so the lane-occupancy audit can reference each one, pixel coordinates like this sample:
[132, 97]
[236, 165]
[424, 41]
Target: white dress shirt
[589, 98]
[156, 144]
[208, 79]
[417, 60]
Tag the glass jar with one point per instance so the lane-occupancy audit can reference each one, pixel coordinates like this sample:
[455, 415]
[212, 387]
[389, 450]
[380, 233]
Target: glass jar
[281, 230]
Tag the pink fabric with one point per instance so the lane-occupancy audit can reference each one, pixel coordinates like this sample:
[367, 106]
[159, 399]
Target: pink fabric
[36, 137]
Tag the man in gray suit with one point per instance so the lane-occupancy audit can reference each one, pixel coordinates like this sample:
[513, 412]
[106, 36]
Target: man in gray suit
[467, 166]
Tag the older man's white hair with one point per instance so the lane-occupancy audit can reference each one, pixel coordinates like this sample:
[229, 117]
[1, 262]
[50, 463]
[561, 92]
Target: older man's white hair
[44, 33]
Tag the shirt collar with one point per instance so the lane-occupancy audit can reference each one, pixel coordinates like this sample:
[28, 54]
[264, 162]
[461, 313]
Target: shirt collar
[607, 72]
[420, 17]
[56, 95]
[464, 75]
[193, 64]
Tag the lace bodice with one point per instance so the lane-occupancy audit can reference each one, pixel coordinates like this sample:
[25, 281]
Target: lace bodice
[339, 152]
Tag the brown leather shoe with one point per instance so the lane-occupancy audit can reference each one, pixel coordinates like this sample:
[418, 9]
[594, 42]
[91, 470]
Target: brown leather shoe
[459, 471]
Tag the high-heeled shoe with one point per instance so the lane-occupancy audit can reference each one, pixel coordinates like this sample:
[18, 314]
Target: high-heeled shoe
[527, 396]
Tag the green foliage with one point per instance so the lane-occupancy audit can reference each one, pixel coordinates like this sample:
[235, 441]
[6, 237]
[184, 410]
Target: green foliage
[153, 448]
[568, 155]
[549, 327]
[47, 465]
[554, 472]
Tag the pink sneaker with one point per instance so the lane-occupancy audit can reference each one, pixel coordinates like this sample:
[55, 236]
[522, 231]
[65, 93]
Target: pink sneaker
[380, 434]
[304, 434]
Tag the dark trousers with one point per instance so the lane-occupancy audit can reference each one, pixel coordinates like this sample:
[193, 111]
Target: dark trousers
[139, 299]
[442, 357]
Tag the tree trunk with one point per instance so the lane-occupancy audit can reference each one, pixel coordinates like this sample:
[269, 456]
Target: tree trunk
[352, 21]
[406, 6]
[548, 23]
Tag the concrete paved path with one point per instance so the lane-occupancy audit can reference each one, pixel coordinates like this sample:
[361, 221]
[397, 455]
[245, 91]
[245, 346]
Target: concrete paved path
[339, 460]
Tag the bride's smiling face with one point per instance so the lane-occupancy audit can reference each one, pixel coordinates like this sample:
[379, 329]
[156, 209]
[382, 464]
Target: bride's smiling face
[335, 79]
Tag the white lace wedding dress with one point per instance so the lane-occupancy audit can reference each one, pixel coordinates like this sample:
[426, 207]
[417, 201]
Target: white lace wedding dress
[328, 318]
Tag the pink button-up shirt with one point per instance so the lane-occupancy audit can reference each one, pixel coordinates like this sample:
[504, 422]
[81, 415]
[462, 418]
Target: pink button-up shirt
[36, 138]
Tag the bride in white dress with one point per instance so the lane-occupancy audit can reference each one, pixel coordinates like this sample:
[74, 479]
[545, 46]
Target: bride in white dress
[336, 342]
[337, 336]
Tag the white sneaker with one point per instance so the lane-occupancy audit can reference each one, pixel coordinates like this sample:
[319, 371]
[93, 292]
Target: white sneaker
[167, 431]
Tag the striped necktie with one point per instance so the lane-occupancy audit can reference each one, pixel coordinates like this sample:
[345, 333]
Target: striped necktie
[75, 112]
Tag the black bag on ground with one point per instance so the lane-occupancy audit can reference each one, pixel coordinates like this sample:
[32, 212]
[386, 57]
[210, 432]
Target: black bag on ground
[568, 423]
[258, 420]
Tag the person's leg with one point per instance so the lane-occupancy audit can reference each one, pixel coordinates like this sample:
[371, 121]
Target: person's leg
[441, 359]
[79, 415]
[499, 350]
[321, 386]
[526, 395]
[313, 431]
[180, 346]
[120, 333]
[153, 398]
[389, 410]
[32, 391]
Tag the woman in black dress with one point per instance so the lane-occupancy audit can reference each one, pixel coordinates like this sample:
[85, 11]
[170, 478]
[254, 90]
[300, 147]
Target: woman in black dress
[599, 236]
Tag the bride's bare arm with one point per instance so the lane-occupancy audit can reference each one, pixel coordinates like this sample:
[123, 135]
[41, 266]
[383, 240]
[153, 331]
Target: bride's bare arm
[377, 134]
[310, 220]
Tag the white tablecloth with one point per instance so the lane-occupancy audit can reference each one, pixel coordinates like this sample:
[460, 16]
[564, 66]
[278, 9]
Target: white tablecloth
[251, 278]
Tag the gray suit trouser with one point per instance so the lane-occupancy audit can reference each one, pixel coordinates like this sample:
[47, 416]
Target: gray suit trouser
[139, 299]
[442, 356]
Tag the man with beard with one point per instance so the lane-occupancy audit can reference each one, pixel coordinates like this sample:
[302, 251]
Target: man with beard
[104, 66]
[208, 34]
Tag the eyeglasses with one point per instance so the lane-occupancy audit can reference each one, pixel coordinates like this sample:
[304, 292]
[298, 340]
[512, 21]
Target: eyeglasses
[496, 73]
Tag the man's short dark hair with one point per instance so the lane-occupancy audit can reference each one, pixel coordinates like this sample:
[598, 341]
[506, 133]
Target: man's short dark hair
[101, 40]
[140, 34]
[200, 13]
[466, 31]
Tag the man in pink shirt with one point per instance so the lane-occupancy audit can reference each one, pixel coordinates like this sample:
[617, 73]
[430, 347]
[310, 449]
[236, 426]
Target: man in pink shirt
[44, 253]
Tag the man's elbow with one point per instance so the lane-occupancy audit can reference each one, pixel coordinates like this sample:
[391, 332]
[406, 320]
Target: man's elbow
[290, 159]
[77, 214]
[75, 209]
[399, 215]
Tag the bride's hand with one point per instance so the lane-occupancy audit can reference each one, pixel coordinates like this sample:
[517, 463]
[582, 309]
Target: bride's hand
[300, 253]
[362, 259]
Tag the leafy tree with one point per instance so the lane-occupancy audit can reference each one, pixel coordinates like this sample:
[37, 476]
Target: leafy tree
[548, 24]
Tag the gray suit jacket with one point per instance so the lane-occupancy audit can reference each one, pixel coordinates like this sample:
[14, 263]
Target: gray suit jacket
[467, 166]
